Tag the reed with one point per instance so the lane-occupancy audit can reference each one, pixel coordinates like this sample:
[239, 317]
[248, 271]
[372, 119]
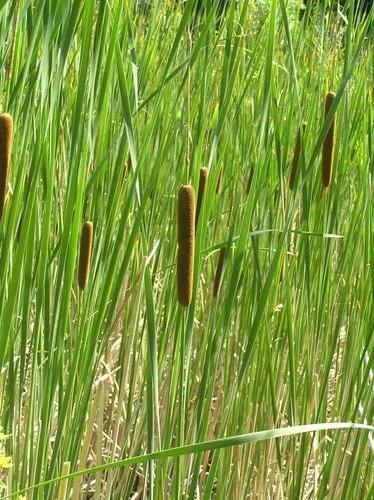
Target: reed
[6, 137]
[296, 155]
[85, 254]
[328, 145]
[186, 244]
[218, 275]
[204, 173]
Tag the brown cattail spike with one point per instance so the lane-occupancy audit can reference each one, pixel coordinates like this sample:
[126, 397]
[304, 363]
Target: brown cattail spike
[186, 244]
[296, 156]
[328, 145]
[204, 172]
[85, 254]
[217, 278]
[6, 137]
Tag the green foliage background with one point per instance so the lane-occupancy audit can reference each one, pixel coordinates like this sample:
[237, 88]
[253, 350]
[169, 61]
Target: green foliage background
[114, 107]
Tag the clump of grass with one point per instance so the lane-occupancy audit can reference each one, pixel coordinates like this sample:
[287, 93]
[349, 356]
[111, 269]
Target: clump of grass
[219, 269]
[296, 155]
[204, 173]
[85, 254]
[328, 145]
[6, 137]
[186, 244]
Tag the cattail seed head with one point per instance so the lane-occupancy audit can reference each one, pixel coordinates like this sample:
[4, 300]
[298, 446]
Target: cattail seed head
[217, 277]
[186, 215]
[328, 145]
[185, 262]
[204, 172]
[85, 254]
[6, 137]
[296, 155]
[186, 244]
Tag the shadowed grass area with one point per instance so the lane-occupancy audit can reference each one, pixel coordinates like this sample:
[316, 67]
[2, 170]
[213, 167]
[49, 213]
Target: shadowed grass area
[114, 107]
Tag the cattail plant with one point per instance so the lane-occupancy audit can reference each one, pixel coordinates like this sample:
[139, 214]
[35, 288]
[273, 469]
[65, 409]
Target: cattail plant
[328, 145]
[296, 155]
[186, 244]
[218, 275]
[85, 254]
[202, 188]
[6, 136]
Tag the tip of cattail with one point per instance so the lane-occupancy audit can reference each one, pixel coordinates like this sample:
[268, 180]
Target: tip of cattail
[85, 254]
[186, 244]
[218, 275]
[203, 181]
[7, 119]
[296, 155]
[328, 145]
[6, 137]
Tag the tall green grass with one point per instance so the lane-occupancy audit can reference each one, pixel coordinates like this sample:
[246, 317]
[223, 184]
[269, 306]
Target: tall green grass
[115, 105]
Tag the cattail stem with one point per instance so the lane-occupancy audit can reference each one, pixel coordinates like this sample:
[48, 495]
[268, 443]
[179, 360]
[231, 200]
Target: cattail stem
[202, 188]
[85, 254]
[328, 145]
[186, 244]
[218, 276]
[296, 155]
[6, 137]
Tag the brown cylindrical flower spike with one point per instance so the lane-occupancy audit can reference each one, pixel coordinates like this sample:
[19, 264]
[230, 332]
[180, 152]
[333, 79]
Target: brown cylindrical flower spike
[202, 188]
[186, 244]
[6, 137]
[217, 278]
[328, 145]
[296, 156]
[85, 254]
